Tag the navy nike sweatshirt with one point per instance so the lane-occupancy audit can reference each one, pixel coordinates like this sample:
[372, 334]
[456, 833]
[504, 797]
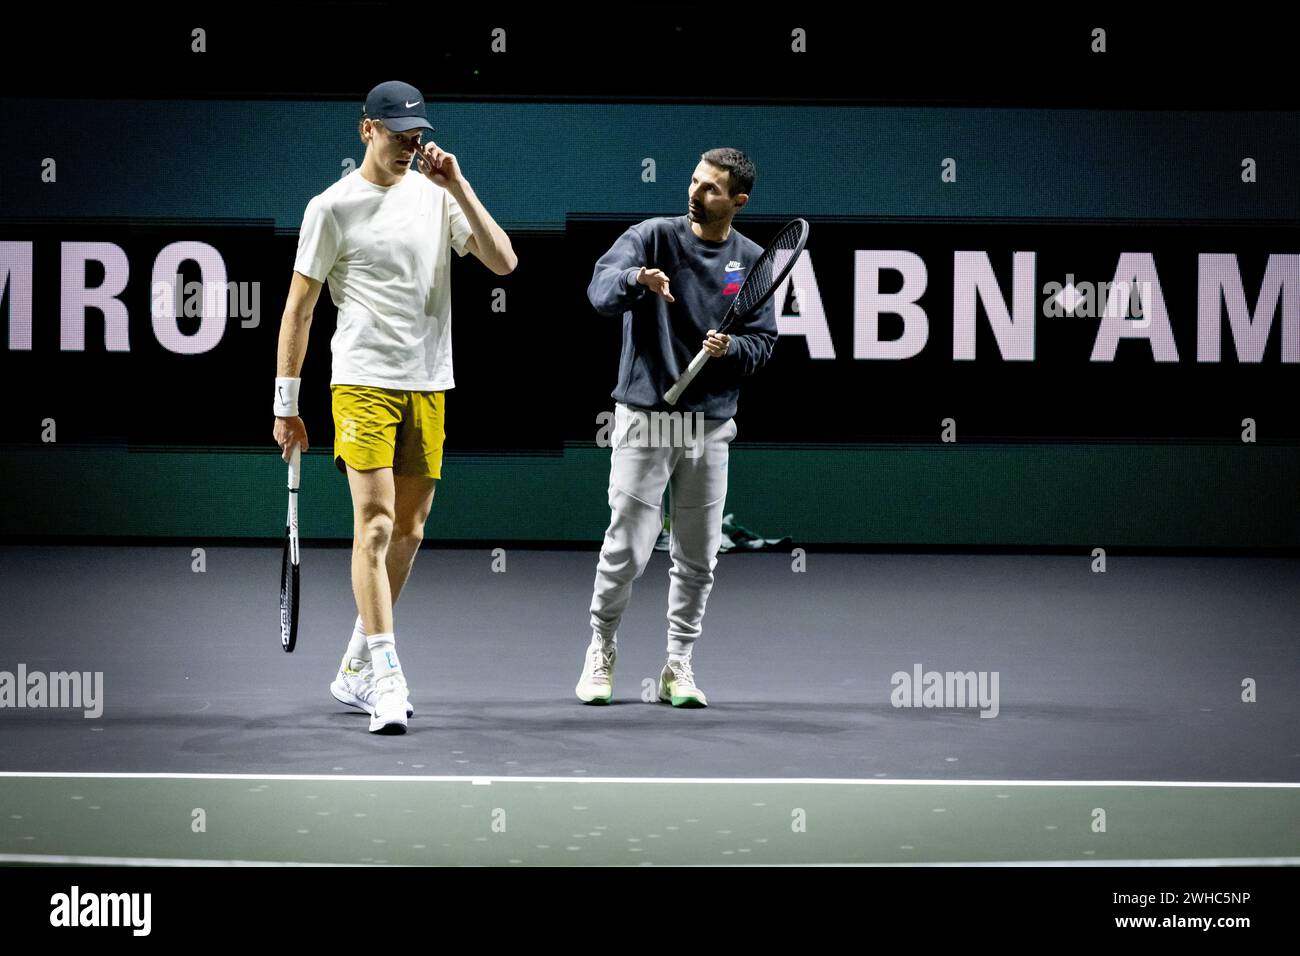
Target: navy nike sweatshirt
[660, 338]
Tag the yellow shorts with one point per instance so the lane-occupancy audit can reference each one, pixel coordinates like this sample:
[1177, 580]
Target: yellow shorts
[386, 428]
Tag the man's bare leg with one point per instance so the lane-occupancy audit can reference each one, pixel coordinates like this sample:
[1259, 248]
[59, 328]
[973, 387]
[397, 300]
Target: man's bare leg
[413, 499]
[389, 514]
[373, 517]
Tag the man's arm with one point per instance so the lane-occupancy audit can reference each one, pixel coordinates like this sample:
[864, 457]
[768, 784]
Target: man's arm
[613, 287]
[620, 277]
[751, 350]
[295, 325]
[292, 350]
[751, 347]
[495, 250]
[488, 242]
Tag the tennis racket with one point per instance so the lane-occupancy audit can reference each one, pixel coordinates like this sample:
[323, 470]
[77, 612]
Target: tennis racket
[289, 567]
[766, 274]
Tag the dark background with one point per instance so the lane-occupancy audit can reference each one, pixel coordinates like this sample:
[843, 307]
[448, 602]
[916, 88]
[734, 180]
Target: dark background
[531, 382]
[990, 56]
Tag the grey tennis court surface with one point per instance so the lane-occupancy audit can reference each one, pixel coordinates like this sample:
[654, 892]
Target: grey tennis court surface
[1121, 731]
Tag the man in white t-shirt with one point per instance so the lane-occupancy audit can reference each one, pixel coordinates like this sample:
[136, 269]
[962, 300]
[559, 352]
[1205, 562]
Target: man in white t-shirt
[383, 241]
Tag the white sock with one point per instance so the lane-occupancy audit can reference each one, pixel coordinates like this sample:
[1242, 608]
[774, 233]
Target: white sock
[357, 647]
[383, 654]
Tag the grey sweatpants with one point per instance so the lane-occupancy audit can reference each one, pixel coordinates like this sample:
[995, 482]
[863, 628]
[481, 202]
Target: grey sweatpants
[640, 468]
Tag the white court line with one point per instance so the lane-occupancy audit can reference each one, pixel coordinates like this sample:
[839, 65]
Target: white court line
[479, 779]
[1194, 861]
[11, 858]
[1198, 861]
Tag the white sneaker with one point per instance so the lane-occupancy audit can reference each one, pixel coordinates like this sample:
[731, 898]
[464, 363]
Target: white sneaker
[355, 686]
[596, 685]
[389, 715]
[677, 686]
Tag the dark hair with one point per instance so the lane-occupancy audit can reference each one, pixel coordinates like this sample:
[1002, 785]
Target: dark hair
[740, 168]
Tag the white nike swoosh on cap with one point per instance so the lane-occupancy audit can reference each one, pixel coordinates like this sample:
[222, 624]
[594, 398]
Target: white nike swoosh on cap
[409, 105]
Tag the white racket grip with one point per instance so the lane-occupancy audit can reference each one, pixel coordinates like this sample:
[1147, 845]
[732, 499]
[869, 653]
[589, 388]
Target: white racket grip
[292, 525]
[688, 376]
[291, 521]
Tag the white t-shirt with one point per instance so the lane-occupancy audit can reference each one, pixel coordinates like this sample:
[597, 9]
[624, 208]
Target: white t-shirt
[384, 250]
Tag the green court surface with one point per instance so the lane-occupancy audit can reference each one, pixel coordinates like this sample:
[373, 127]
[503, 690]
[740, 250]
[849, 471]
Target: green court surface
[155, 818]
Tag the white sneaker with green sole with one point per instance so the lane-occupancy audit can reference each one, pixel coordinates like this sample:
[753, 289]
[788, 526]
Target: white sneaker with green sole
[677, 686]
[355, 686]
[596, 685]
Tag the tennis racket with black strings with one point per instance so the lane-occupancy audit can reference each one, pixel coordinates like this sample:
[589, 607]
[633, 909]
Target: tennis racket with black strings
[289, 567]
[764, 277]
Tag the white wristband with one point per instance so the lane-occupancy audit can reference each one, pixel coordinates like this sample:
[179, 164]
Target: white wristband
[286, 397]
